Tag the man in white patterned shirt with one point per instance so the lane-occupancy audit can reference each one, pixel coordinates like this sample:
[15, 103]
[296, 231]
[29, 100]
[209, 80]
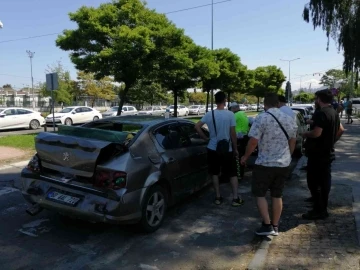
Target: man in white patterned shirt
[274, 132]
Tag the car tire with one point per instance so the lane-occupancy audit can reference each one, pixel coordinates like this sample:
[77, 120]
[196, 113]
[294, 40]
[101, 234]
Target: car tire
[154, 208]
[34, 124]
[96, 118]
[68, 122]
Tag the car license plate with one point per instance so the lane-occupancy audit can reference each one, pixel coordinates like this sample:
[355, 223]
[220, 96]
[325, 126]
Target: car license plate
[62, 198]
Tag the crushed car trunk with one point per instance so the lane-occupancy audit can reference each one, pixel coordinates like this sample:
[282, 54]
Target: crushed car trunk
[76, 151]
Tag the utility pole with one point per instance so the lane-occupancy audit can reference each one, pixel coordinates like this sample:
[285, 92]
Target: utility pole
[289, 80]
[31, 56]
[212, 47]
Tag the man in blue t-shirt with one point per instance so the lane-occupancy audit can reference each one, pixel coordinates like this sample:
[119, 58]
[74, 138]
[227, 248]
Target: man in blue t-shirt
[227, 163]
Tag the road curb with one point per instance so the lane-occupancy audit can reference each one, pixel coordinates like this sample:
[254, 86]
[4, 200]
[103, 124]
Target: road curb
[19, 164]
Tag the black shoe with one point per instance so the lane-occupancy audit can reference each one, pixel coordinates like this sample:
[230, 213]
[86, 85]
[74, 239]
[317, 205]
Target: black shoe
[218, 200]
[265, 230]
[314, 215]
[237, 202]
[310, 199]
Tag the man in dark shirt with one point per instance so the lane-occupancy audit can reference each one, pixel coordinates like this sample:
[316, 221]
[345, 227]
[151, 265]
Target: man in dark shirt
[327, 129]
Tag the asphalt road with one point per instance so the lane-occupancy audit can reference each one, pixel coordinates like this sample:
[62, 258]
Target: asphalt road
[195, 235]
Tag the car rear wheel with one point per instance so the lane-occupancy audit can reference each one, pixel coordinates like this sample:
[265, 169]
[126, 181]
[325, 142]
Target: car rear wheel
[96, 118]
[34, 124]
[153, 209]
[68, 122]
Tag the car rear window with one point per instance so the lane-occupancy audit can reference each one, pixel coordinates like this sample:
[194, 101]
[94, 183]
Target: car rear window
[104, 131]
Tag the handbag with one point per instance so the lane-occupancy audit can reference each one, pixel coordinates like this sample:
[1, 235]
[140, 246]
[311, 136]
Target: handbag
[282, 128]
[222, 146]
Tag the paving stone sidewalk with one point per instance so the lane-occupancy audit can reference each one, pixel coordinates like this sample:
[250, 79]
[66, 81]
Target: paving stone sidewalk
[326, 244]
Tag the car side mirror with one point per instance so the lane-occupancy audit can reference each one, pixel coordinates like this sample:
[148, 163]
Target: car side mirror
[2, 115]
[73, 112]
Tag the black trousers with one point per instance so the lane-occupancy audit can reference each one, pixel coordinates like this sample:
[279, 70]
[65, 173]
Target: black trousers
[319, 182]
[242, 143]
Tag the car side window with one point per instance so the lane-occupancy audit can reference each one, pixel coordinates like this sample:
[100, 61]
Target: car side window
[125, 109]
[22, 111]
[301, 119]
[188, 131]
[84, 109]
[168, 137]
[78, 110]
[10, 112]
[131, 109]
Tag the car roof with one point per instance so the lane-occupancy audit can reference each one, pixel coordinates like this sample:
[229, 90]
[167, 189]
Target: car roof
[143, 120]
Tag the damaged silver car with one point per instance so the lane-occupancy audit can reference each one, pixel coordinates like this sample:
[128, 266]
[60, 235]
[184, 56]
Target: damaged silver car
[116, 170]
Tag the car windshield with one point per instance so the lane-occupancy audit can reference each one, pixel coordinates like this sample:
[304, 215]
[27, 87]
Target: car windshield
[66, 110]
[148, 109]
[1, 110]
[194, 107]
[113, 109]
[171, 107]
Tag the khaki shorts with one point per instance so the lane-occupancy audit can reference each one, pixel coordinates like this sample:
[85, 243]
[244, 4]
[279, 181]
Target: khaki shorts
[265, 178]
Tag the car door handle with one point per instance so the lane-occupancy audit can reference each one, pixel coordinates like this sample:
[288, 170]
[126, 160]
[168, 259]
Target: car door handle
[171, 160]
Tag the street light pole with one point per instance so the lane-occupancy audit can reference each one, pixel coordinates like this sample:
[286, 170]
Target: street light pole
[212, 47]
[289, 80]
[31, 56]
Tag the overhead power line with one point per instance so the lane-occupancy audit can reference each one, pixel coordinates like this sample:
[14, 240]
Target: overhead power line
[52, 34]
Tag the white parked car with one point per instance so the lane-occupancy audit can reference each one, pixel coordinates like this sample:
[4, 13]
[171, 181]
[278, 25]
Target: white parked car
[126, 110]
[197, 109]
[181, 110]
[243, 107]
[252, 107]
[74, 115]
[20, 118]
[153, 110]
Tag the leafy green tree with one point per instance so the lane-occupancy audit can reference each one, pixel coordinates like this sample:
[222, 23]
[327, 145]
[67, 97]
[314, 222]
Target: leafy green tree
[7, 86]
[268, 79]
[147, 92]
[122, 39]
[197, 98]
[304, 97]
[63, 94]
[96, 89]
[340, 19]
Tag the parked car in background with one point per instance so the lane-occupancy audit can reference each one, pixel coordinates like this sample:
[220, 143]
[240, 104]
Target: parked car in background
[116, 170]
[152, 110]
[20, 118]
[253, 107]
[197, 109]
[304, 111]
[181, 110]
[74, 115]
[243, 107]
[126, 110]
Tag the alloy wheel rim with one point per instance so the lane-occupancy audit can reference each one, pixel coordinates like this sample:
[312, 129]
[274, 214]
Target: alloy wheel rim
[155, 209]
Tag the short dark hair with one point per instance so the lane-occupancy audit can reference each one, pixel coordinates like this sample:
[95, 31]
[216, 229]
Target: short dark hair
[282, 99]
[271, 100]
[220, 97]
[326, 96]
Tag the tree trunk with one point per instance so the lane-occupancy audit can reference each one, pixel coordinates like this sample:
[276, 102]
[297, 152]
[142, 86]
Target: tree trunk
[207, 99]
[122, 100]
[175, 102]
[258, 104]
[228, 99]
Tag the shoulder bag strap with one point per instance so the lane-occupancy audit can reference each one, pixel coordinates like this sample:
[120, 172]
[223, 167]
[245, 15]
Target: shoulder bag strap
[282, 128]
[213, 118]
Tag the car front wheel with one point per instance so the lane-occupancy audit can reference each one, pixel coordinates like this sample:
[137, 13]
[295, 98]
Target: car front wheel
[34, 124]
[68, 122]
[153, 209]
[96, 118]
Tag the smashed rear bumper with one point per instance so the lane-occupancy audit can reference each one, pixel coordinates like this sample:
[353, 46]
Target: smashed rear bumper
[94, 205]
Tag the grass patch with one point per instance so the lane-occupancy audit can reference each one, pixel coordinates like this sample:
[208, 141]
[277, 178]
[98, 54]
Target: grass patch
[25, 142]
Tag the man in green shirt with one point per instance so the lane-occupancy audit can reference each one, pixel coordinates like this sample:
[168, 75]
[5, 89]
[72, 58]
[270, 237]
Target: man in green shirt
[242, 129]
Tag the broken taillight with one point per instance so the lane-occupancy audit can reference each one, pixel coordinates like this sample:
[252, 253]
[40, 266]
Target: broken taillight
[34, 164]
[110, 179]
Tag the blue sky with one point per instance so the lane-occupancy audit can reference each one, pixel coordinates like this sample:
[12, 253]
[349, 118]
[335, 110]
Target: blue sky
[261, 32]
